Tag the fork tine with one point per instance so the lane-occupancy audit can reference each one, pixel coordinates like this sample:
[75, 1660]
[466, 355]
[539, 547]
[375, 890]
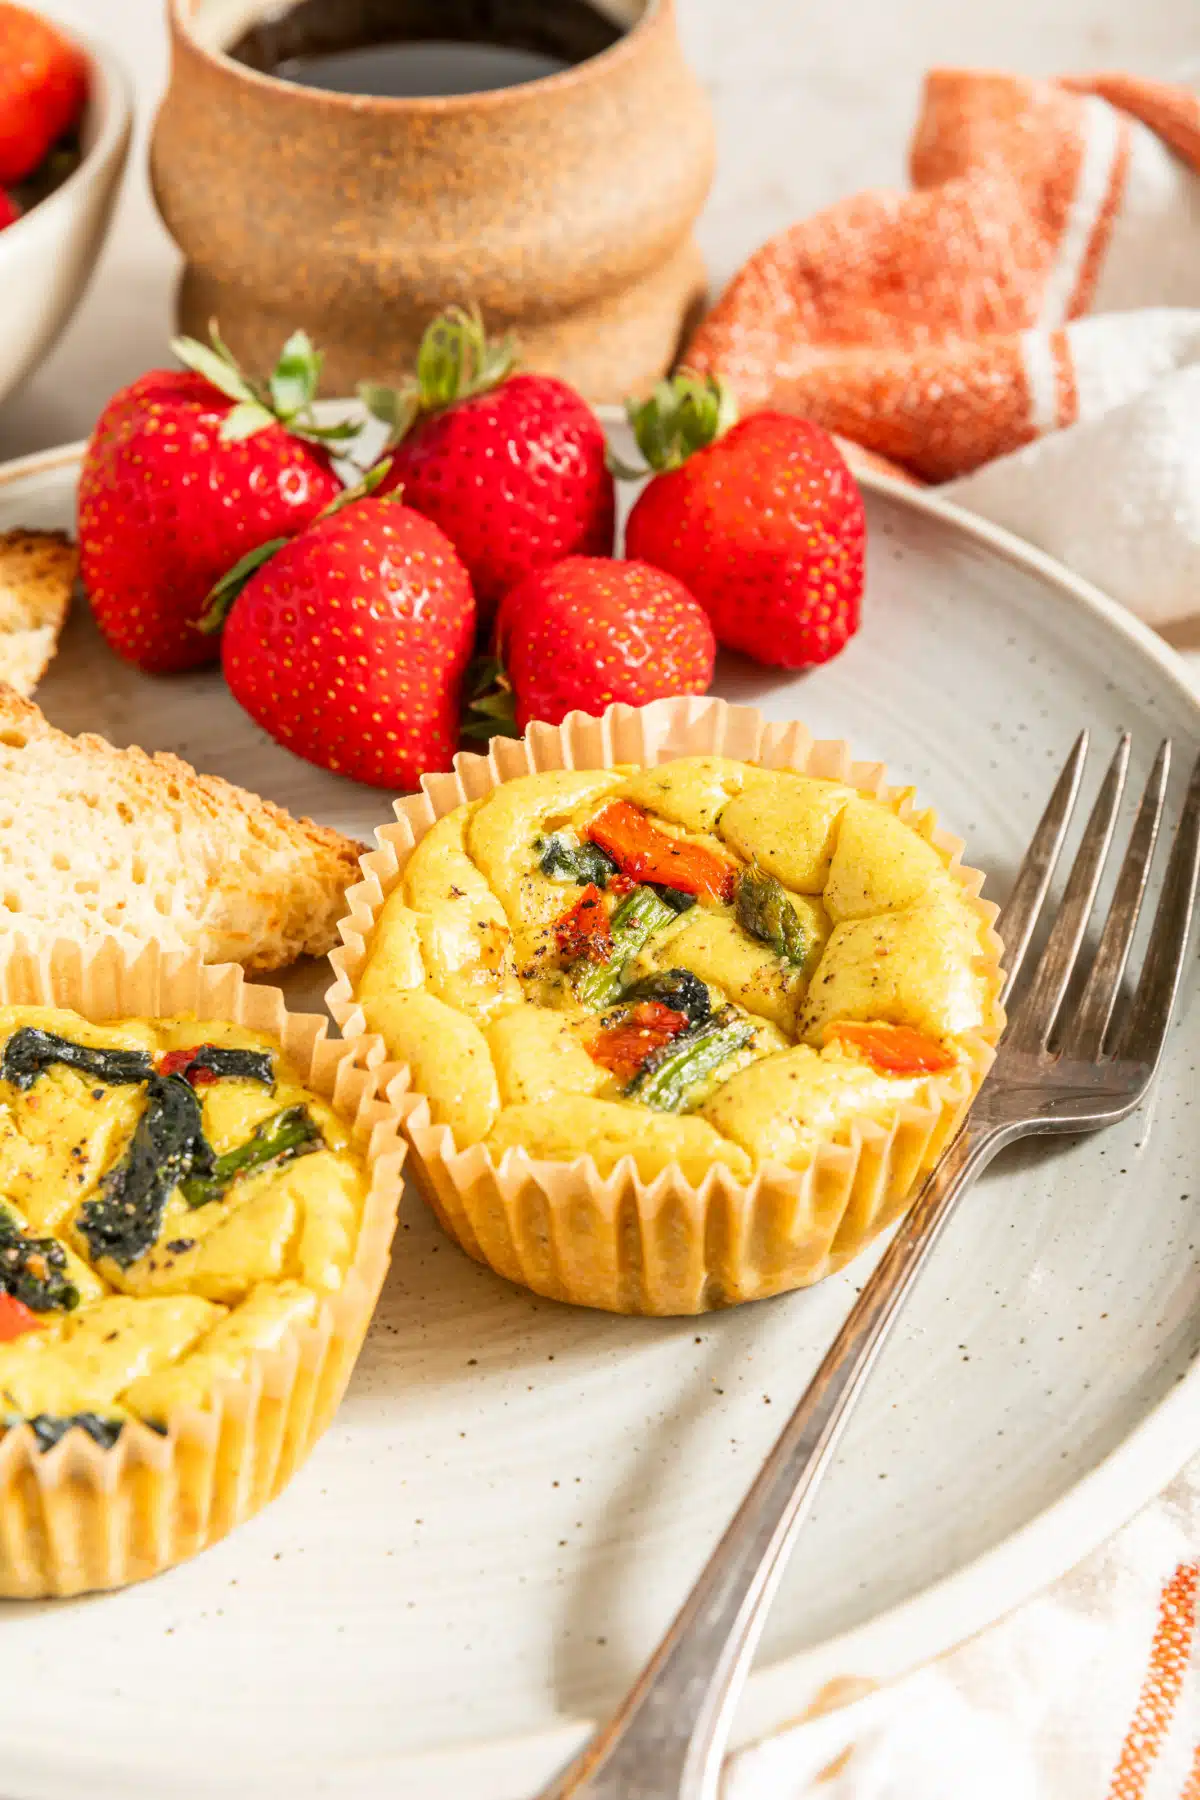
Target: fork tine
[1017, 922]
[1084, 1036]
[1037, 1012]
[1146, 1030]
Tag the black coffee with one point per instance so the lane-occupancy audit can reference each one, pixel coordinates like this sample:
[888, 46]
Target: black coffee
[411, 49]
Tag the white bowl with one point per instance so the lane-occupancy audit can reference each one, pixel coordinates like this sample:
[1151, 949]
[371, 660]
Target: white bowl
[47, 257]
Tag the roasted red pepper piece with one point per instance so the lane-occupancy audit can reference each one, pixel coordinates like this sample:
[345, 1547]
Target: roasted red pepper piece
[623, 1048]
[15, 1318]
[893, 1049]
[584, 929]
[179, 1062]
[640, 849]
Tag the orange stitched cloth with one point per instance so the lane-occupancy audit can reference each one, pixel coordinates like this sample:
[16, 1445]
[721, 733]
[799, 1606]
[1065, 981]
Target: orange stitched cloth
[1043, 272]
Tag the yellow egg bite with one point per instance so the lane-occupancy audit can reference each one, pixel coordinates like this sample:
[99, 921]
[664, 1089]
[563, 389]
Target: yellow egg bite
[172, 1199]
[704, 963]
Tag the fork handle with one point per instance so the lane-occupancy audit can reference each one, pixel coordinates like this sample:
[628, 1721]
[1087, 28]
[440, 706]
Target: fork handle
[667, 1740]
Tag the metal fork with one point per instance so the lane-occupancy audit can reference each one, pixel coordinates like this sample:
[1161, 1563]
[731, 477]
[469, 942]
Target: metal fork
[1062, 1067]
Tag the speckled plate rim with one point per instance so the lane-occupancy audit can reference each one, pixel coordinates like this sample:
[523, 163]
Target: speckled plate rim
[845, 1670]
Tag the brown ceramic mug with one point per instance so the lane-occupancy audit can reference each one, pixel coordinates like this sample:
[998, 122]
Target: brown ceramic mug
[563, 207]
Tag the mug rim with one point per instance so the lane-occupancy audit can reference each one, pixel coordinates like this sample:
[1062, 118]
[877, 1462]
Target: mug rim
[179, 13]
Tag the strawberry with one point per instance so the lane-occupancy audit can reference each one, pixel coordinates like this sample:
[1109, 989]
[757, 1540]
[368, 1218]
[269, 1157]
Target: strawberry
[512, 467]
[186, 471]
[587, 632]
[43, 90]
[9, 210]
[762, 520]
[349, 642]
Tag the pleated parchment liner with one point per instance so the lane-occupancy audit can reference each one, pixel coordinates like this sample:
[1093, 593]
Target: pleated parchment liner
[79, 1517]
[667, 1246]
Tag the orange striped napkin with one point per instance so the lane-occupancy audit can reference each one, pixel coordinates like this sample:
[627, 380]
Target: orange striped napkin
[1023, 326]
[1089, 1692]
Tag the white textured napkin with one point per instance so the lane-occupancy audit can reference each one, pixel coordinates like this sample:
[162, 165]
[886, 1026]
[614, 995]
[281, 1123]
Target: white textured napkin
[1089, 1692]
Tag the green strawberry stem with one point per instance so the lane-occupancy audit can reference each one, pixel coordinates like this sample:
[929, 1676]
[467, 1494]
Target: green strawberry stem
[455, 360]
[220, 598]
[285, 398]
[491, 703]
[685, 414]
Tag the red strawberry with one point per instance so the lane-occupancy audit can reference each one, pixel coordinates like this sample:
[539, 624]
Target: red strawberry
[43, 89]
[349, 644]
[512, 467]
[185, 473]
[762, 520]
[9, 211]
[590, 631]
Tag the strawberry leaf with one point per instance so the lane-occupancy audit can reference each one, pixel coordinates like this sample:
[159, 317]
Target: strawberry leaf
[341, 433]
[397, 408]
[293, 381]
[220, 598]
[622, 470]
[455, 359]
[492, 709]
[682, 415]
[483, 673]
[362, 490]
[202, 361]
[286, 398]
[244, 420]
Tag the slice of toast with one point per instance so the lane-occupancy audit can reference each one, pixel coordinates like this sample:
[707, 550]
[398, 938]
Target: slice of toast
[37, 574]
[98, 842]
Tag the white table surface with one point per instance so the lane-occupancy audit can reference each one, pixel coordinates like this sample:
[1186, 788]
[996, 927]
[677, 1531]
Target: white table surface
[812, 100]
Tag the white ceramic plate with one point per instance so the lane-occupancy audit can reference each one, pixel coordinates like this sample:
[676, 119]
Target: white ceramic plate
[515, 1495]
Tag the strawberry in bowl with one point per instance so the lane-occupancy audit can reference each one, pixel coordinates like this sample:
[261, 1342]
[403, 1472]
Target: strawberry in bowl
[43, 91]
[65, 119]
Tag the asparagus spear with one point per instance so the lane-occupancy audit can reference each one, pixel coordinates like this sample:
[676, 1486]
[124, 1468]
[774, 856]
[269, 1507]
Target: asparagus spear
[290, 1133]
[635, 921]
[667, 1079]
[764, 910]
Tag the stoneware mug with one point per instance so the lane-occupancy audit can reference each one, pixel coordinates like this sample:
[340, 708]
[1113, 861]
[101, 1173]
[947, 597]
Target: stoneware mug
[563, 207]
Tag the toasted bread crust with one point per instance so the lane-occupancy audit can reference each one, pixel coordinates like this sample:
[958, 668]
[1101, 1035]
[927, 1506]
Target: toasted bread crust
[37, 575]
[96, 841]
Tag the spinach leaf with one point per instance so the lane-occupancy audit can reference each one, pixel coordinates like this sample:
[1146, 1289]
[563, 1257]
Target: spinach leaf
[679, 989]
[168, 1145]
[584, 863]
[675, 898]
[31, 1269]
[29, 1052]
[48, 1428]
[212, 1062]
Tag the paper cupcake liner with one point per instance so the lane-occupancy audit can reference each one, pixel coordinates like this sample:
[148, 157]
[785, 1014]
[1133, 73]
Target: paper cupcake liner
[80, 1517]
[666, 1246]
